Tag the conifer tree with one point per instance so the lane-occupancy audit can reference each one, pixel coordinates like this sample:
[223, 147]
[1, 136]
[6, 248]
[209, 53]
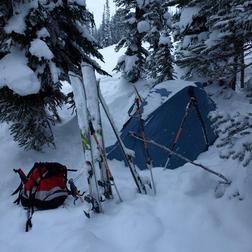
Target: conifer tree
[232, 24]
[107, 36]
[163, 60]
[52, 38]
[118, 28]
[160, 61]
[216, 39]
[191, 31]
[131, 64]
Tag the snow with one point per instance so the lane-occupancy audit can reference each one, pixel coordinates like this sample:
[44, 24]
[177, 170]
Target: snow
[131, 20]
[130, 62]
[187, 15]
[164, 40]
[143, 26]
[185, 216]
[43, 33]
[155, 99]
[83, 29]
[55, 72]
[16, 24]
[40, 49]
[17, 75]
[79, 2]
[110, 62]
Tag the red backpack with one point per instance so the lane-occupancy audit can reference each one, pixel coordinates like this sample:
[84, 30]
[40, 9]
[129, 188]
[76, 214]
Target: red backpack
[45, 187]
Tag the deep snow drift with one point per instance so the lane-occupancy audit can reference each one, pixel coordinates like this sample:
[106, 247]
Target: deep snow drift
[185, 216]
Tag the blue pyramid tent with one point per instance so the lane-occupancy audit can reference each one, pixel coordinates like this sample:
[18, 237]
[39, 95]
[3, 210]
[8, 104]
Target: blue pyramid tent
[162, 112]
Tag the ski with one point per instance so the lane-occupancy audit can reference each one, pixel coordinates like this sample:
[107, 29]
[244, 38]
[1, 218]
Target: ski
[93, 201]
[93, 197]
[111, 181]
[148, 160]
[94, 120]
[128, 158]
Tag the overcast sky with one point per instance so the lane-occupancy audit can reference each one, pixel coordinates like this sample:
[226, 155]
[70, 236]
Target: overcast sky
[96, 7]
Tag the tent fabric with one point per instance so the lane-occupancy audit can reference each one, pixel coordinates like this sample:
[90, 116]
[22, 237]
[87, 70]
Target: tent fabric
[162, 113]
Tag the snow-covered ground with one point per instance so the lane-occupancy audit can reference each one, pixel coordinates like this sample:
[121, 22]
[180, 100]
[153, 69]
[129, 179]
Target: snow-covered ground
[184, 216]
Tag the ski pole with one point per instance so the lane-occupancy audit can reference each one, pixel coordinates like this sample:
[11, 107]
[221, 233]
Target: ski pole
[196, 105]
[227, 181]
[145, 144]
[202, 125]
[179, 131]
[137, 179]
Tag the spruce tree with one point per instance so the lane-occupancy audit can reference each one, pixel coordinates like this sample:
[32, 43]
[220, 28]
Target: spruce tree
[101, 31]
[190, 32]
[131, 64]
[118, 28]
[107, 36]
[115, 27]
[53, 38]
[163, 60]
[232, 24]
[216, 39]
[160, 61]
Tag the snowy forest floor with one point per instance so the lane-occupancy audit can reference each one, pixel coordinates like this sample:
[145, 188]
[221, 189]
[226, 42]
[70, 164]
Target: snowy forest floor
[185, 216]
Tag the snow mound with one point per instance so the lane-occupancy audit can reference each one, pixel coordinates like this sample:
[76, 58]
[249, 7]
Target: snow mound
[17, 75]
[143, 26]
[40, 49]
[187, 15]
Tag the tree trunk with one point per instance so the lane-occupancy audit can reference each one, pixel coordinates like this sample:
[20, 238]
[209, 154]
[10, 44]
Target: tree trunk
[235, 69]
[242, 63]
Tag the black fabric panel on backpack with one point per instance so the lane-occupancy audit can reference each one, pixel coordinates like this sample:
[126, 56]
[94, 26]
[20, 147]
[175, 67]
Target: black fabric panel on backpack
[54, 169]
[51, 204]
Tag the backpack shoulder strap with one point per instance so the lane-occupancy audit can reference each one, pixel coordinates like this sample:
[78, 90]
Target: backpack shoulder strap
[19, 188]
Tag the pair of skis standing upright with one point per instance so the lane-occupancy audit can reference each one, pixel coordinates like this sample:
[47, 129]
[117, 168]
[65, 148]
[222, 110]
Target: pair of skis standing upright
[87, 96]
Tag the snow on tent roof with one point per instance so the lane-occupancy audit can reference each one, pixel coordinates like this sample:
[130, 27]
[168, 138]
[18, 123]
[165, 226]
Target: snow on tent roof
[163, 111]
[161, 93]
